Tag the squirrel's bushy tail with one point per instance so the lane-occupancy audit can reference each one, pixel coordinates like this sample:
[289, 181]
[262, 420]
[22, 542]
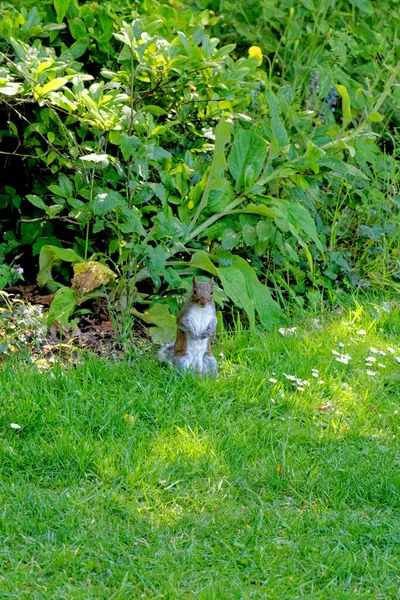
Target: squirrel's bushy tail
[165, 353]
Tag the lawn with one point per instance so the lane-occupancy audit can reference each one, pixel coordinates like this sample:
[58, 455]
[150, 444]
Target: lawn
[281, 479]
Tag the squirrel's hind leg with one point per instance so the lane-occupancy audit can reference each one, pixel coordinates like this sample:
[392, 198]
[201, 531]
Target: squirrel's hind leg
[181, 361]
[210, 365]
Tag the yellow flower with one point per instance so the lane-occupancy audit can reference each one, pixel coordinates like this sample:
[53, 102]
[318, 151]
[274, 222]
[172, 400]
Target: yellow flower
[255, 52]
[129, 419]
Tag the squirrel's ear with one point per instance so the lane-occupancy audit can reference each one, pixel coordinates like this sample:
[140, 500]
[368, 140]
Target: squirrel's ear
[194, 281]
[212, 281]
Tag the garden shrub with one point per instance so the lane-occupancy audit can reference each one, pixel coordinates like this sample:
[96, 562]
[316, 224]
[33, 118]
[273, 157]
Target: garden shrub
[153, 148]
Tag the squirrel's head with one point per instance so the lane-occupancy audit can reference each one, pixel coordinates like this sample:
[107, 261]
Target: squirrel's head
[202, 292]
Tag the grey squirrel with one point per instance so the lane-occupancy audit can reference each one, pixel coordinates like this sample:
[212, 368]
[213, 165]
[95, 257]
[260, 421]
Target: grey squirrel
[196, 323]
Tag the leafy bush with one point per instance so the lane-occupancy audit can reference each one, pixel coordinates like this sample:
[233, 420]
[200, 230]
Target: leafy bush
[158, 151]
[22, 326]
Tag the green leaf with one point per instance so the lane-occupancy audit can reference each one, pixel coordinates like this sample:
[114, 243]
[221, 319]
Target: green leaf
[200, 260]
[299, 219]
[374, 117]
[63, 305]
[165, 323]
[241, 284]
[36, 201]
[335, 164]
[260, 209]
[61, 7]
[51, 256]
[106, 202]
[234, 285]
[215, 180]
[78, 29]
[54, 84]
[249, 234]
[229, 239]
[346, 106]
[10, 88]
[277, 127]
[364, 5]
[249, 150]
[66, 186]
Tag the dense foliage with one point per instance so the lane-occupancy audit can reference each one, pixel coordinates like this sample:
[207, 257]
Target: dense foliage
[139, 148]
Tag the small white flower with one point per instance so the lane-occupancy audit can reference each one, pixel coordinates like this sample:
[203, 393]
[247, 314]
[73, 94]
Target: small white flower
[341, 345]
[300, 389]
[381, 365]
[290, 377]
[370, 359]
[373, 350]
[15, 426]
[287, 331]
[382, 353]
[361, 332]
[273, 380]
[272, 400]
[315, 374]
[221, 354]
[371, 373]
[391, 350]
[342, 359]
[396, 412]
[321, 382]
[335, 352]
[397, 358]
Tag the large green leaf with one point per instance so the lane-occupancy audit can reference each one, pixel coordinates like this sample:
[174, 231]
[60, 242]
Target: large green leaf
[215, 180]
[63, 305]
[241, 284]
[200, 260]
[50, 256]
[335, 164]
[277, 127]
[299, 219]
[234, 284]
[248, 152]
[164, 329]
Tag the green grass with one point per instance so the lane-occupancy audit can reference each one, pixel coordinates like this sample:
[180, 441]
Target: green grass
[234, 488]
